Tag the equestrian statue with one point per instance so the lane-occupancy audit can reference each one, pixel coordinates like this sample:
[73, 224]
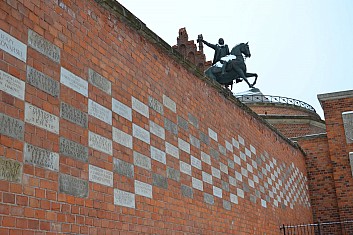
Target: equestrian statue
[227, 67]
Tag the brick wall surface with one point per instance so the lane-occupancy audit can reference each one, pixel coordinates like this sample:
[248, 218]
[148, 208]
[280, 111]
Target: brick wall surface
[297, 130]
[103, 132]
[281, 109]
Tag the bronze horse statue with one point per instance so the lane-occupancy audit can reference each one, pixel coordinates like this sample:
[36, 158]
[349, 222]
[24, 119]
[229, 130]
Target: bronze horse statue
[235, 67]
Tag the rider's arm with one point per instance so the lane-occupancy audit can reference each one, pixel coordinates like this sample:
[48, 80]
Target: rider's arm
[209, 44]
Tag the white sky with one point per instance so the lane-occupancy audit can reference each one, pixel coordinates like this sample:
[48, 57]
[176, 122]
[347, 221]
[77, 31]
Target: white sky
[299, 48]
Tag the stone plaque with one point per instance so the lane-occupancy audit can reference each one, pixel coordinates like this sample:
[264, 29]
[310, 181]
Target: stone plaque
[99, 111]
[121, 109]
[217, 192]
[100, 175]
[173, 174]
[158, 155]
[170, 126]
[169, 103]
[143, 189]
[140, 133]
[160, 181]
[122, 138]
[13, 46]
[212, 134]
[123, 168]
[252, 149]
[196, 163]
[183, 145]
[99, 81]
[11, 127]
[155, 105]
[222, 149]
[185, 168]
[223, 167]
[183, 123]
[225, 186]
[197, 184]
[241, 140]
[123, 198]
[140, 107]
[237, 160]
[240, 193]
[235, 143]
[171, 150]
[43, 46]
[206, 158]
[41, 157]
[142, 161]
[42, 82]
[187, 191]
[232, 181]
[193, 120]
[215, 172]
[208, 198]
[204, 138]
[229, 146]
[351, 161]
[348, 126]
[72, 149]
[230, 163]
[238, 176]
[12, 85]
[41, 118]
[157, 130]
[214, 153]
[74, 82]
[10, 170]
[227, 205]
[100, 143]
[73, 115]
[207, 178]
[73, 186]
[194, 141]
[233, 198]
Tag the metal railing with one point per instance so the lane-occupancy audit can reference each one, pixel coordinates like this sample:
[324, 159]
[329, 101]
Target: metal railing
[274, 99]
[320, 228]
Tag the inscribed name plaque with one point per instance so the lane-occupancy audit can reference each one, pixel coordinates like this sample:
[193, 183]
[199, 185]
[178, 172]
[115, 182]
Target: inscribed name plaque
[183, 145]
[157, 130]
[13, 46]
[123, 168]
[100, 143]
[10, 170]
[169, 103]
[196, 163]
[72, 149]
[74, 82]
[351, 161]
[11, 127]
[123, 198]
[100, 175]
[12, 85]
[140, 133]
[99, 111]
[140, 107]
[155, 105]
[348, 126]
[185, 168]
[142, 161]
[196, 183]
[212, 134]
[122, 138]
[122, 109]
[158, 155]
[217, 192]
[43, 46]
[41, 157]
[143, 189]
[42, 82]
[171, 150]
[41, 118]
[73, 186]
[99, 81]
[73, 115]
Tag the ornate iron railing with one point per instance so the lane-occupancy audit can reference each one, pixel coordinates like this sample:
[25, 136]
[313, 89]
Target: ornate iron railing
[274, 99]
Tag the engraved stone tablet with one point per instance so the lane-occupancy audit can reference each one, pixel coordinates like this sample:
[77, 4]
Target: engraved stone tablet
[100, 143]
[227, 205]
[100, 175]
[208, 198]
[99, 111]
[215, 172]
[183, 145]
[73, 186]
[158, 155]
[187, 191]
[11, 127]
[73, 115]
[171, 150]
[230, 163]
[196, 183]
[194, 141]
[43, 46]
[169, 103]
[12, 85]
[223, 167]
[143, 189]
[212, 134]
[140, 133]
[196, 163]
[193, 120]
[170, 126]
[99, 81]
[183, 123]
[234, 198]
[185, 168]
[74, 82]
[348, 126]
[41, 118]
[155, 105]
[214, 154]
[207, 178]
[42, 82]
[41, 157]
[123, 168]
[232, 181]
[140, 107]
[142, 161]
[222, 149]
[235, 143]
[13, 46]
[123, 198]
[157, 130]
[205, 158]
[351, 161]
[217, 192]
[121, 109]
[225, 186]
[122, 138]
[160, 181]
[204, 138]
[241, 140]
[10, 170]
[229, 146]
[72, 149]
[173, 174]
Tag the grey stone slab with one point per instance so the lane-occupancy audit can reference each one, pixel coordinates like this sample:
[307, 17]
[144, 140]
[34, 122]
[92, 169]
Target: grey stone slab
[185, 168]
[194, 141]
[193, 120]
[225, 186]
[235, 143]
[10, 170]
[41, 157]
[227, 205]
[348, 126]
[160, 181]
[205, 158]
[100, 112]
[157, 130]
[73, 115]
[43, 46]
[74, 82]
[241, 140]
[13, 46]
[100, 143]
[229, 146]
[183, 145]
[122, 138]
[169, 103]
[215, 172]
[121, 109]
[197, 184]
[183, 123]
[253, 198]
[43, 82]
[158, 155]
[141, 160]
[72, 149]
[237, 159]
[240, 193]
[204, 138]
[141, 134]
[222, 149]
[253, 149]
[99, 81]
[173, 174]
[208, 198]
[187, 191]
[171, 150]
[195, 162]
[12, 85]
[232, 181]
[123, 198]
[217, 192]
[11, 127]
[212, 134]
[170, 126]
[233, 198]
[143, 189]
[207, 178]
[124, 168]
[230, 163]
[223, 167]
[73, 186]
[214, 153]
[155, 105]
[100, 175]
[246, 187]
[140, 107]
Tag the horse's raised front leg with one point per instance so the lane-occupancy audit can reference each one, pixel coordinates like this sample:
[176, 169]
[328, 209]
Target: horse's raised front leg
[242, 75]
[252, 75]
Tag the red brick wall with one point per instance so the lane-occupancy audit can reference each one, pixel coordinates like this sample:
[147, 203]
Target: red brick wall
[281, 109]
[297, 130]
[207, 144]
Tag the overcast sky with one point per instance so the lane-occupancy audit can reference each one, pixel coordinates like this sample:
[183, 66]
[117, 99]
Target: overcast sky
[299, 48]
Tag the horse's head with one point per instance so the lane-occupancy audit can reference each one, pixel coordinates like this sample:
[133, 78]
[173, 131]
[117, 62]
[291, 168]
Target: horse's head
[242, 48]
